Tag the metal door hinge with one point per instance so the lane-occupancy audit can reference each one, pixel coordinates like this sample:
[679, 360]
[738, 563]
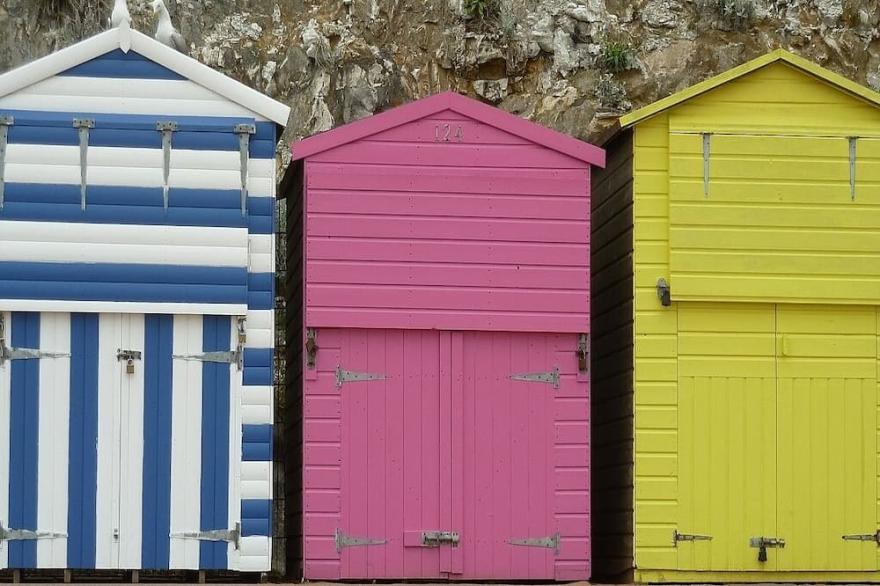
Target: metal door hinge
[220, 356]
[343, 541]
[550, 542]
[875, 537]
[83, 126]
[129, 356]
[244, 132]
[348, 376]
[853, 141]
[707, 140]
[551, 378]
[166, 129]
[232, 536]
[311, 347]
[583, 352]
[762, 543]
[7, 534]
[5, 123]
[9, 353]
[438, 538]
[676, 537]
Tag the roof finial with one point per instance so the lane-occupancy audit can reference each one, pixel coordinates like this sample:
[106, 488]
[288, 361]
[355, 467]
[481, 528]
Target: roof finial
[120, 18]
[165, 31]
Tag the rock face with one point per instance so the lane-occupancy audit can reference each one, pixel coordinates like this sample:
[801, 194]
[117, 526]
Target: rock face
[334, 61]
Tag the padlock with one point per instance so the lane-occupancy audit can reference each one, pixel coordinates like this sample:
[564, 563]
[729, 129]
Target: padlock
[129, 366]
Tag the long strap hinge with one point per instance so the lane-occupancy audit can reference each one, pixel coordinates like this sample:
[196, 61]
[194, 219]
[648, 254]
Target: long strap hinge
[83, 126]
[349, 376]
[5, 123]
[342, 541]
[232, 536]
[551, 377]
[244, 132]
[166, 129]
[7, 534]
[549, 542]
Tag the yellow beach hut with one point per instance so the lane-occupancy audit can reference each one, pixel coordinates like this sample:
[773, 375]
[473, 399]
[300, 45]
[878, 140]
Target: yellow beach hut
[736, 306]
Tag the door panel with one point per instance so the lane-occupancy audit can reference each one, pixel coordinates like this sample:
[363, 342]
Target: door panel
[727, 435]
[827, 436]
[390, 477]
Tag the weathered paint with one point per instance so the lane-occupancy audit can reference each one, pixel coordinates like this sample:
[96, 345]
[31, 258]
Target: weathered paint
[443, 247]
[446, 441]
[755, 390]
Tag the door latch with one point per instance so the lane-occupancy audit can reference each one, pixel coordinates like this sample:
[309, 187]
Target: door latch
[129, 356]
[762, 543]
[875, 537]
[583, 352]
[438, 538]
[311, 347]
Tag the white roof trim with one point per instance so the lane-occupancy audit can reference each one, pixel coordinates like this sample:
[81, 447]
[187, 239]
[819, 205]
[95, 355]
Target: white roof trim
[118, 38]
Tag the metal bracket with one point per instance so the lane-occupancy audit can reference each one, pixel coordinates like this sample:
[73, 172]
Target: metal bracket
[233, 535]
[83, 125]
[129, 356]
[221, 356]
[244, 132]
[7, 534]
[311, 347]
[853, 140]
[343, 540]
[677, 537]
[348, 376]
[5, 123]
[438, 538]
[583, 352]
[550, 542]
[9, 353]
[166, 128]
[707, 139]
[551, 378]
[875, 537]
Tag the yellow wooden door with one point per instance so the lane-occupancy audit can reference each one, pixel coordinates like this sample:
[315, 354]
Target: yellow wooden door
[827, 406]
[726, 434]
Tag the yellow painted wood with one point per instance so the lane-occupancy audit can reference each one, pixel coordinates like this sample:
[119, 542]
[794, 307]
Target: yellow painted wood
[827, 431]
[660, 576]
[727, 426]
[778, 57]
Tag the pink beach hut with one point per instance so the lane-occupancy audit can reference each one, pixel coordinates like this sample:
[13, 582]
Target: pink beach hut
[439, 264]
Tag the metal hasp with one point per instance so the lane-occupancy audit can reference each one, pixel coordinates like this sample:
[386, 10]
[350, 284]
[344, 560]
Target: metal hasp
[129, 356]
[348, 376]
[7, 534]
[438, 538]
[232, 536]
[551, 542]
[83, 125]
[707, 140]
[551, 378]
[311, 347]
[875, 537]
[762, 543]
[9, 353]
[853, 141]
[677, 537]
[244, 132]
[583, 352]
[343, 541]
[5, 123]
[166, 128]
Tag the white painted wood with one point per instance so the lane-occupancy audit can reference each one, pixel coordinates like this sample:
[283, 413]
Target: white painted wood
[256, 554]
[261, 253]
[5, 396]
[109, 454]
[124, 244]
[122, 307]
[260, 328]
[112, 105]
[256, 480]
[256, 404]
[184, 65]
[186, 442]
[53, 440]
[235, 421]
[132, 447]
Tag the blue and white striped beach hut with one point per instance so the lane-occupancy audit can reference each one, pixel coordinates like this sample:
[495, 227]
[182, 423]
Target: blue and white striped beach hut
[136, 311]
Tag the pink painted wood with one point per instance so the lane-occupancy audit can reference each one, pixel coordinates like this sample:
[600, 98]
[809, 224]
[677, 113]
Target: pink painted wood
[446, 441]
[447, 214]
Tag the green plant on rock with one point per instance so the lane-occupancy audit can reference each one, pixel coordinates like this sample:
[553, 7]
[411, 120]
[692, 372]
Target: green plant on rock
[616, 55]
[730, 14]
[480, 9]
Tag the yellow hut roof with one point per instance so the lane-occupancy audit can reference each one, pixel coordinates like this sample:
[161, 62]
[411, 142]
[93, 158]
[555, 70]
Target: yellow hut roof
[779, 55]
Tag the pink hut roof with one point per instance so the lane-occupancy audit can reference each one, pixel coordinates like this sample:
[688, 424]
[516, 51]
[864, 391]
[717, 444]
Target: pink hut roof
[461, 104]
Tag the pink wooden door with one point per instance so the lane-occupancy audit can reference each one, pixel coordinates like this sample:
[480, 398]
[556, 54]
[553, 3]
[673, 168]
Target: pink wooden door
[524, 490]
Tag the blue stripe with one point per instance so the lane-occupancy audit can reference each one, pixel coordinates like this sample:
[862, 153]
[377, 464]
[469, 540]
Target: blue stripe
[261, 281]
[256, 517]
[121, 282]
[23, 439]
[215, 442]
[259, 300]
[119, 64]
[258, 356]
[111, 137]
[83, 467]
[64, 120]
[135, 205]
[156, 511]
[256, 443]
